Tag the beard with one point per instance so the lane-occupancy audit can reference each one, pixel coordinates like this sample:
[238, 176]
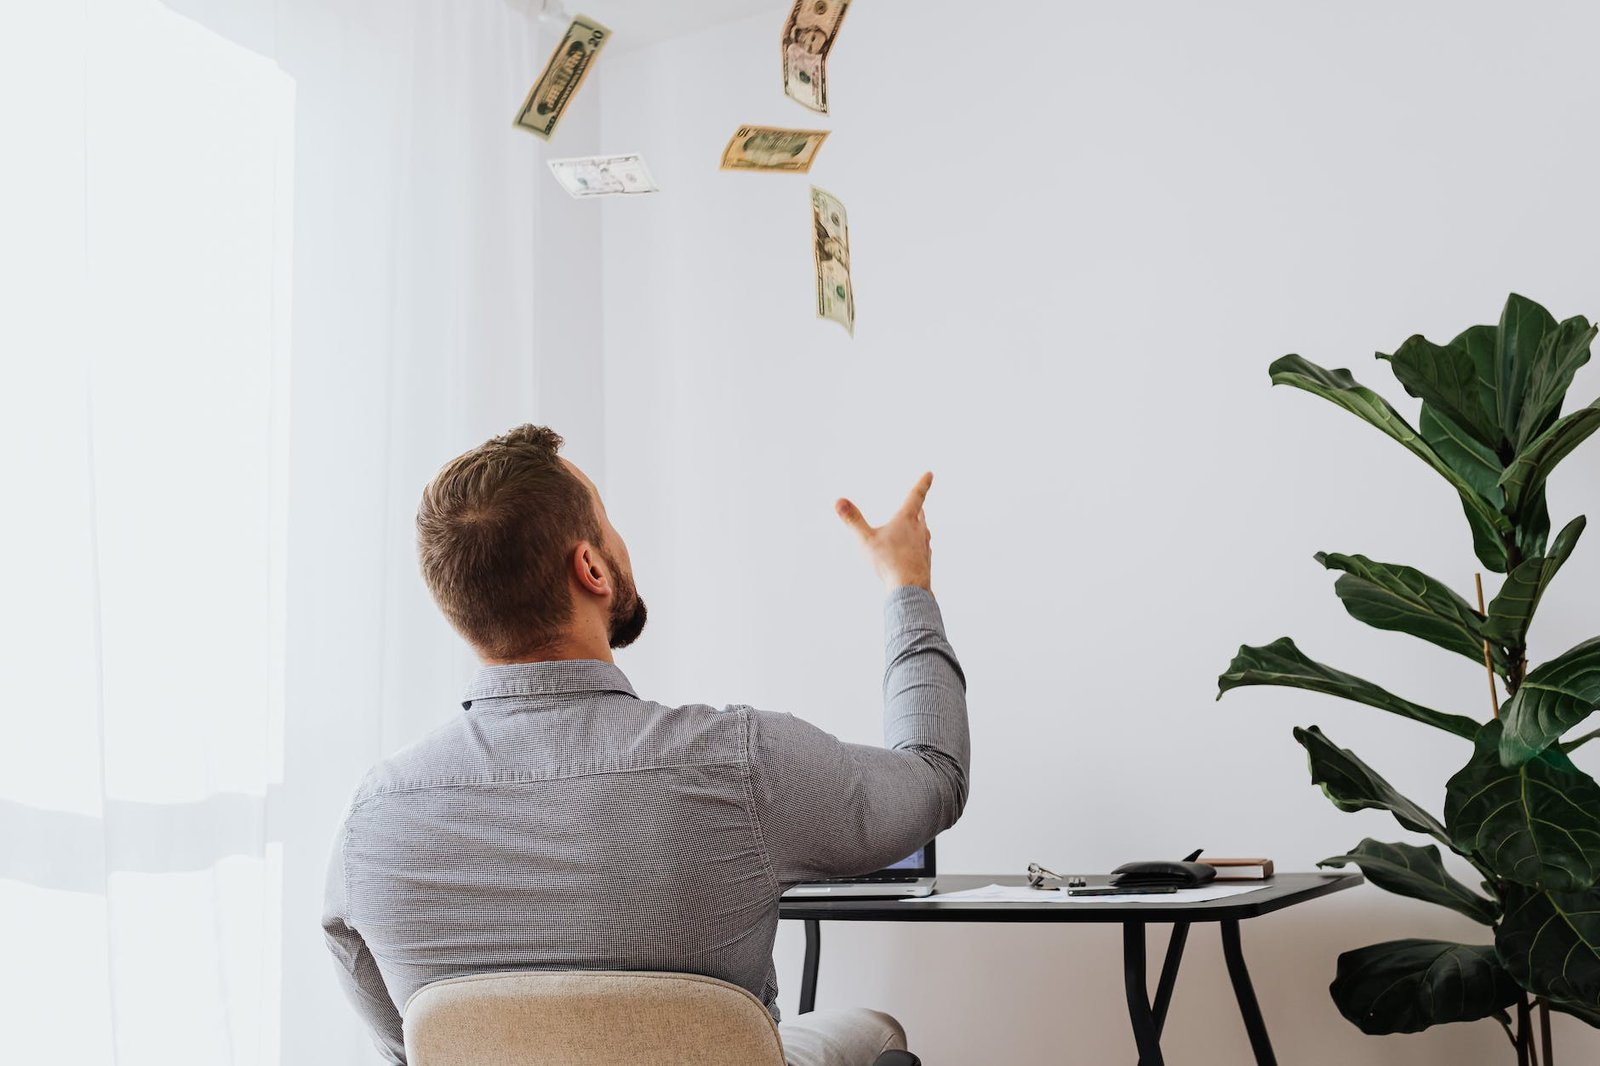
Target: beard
[628, 613]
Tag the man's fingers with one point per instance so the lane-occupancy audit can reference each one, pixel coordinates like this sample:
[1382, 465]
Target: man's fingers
[852, 517]
[919, 493]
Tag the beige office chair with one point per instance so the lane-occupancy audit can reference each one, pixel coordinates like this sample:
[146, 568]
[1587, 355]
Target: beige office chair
[593, 1018]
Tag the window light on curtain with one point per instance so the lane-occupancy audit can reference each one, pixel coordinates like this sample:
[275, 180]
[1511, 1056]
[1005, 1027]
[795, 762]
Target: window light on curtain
[142, 437]
[210, 617]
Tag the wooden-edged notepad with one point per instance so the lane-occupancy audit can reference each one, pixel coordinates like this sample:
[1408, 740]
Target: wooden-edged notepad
[1241, 869]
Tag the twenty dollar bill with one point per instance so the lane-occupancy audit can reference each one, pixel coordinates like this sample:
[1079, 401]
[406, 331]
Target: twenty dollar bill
[807, 38]
[603, 175]
[769, 148]
[548, 99]
[836, 297]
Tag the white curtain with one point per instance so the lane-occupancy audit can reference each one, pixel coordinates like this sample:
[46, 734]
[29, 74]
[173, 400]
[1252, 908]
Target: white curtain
[263, 265]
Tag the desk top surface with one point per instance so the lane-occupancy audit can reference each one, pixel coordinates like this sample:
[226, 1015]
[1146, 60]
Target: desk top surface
[1284, 890]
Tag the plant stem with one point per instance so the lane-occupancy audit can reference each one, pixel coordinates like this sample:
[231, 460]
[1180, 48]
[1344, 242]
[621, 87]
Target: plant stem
[1488, 874]
[1573, 745]
[1526, 1056]
[1505, 1023]
[1544, 1034]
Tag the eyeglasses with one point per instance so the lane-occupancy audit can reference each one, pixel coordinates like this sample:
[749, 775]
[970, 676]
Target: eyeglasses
[1038, 875]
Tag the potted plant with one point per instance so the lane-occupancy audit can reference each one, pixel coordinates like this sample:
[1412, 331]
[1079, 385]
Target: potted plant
[1519, 811]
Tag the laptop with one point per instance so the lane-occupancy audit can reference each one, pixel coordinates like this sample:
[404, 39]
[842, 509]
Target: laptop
[911, 877]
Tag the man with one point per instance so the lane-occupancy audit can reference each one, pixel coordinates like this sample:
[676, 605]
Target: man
[562, 822]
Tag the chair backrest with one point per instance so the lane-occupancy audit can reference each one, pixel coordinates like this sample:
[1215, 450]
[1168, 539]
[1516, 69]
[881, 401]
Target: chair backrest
[588, 1018]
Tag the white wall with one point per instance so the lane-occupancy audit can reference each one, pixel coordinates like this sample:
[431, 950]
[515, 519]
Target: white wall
[1080, 233]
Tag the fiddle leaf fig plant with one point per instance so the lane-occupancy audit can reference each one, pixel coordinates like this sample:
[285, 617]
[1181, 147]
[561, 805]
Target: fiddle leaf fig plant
[1519, 812]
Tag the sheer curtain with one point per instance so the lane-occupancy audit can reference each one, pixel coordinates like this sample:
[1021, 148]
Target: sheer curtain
[265, 265]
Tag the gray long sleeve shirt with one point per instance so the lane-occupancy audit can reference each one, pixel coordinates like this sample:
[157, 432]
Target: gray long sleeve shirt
[563, 823]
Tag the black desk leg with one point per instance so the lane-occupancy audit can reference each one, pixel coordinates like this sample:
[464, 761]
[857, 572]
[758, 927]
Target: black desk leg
[1146, 1031]
[1169, 973]
[1164, 987]
[808, 976]
[1249, 1010]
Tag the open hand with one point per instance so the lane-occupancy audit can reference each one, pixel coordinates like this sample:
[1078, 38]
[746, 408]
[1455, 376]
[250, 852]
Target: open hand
[902, 548]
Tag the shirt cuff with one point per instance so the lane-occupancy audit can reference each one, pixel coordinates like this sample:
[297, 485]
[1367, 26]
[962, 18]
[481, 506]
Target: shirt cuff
[912, 607]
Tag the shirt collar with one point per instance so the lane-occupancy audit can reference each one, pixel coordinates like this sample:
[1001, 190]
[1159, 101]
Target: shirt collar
[555, 678]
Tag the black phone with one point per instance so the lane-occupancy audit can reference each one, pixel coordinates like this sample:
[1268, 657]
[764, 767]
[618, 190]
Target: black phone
[1113, 890]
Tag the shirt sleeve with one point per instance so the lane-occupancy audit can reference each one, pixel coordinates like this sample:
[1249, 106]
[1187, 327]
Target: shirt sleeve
[358, 970]
[825, 808]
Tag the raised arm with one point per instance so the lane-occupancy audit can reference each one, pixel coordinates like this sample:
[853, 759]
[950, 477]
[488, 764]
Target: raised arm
[826, 808]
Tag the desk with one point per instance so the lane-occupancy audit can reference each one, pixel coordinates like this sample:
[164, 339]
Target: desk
[1147, 1016]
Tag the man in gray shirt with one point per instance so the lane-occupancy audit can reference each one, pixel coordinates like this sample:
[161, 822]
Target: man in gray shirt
[562, 822]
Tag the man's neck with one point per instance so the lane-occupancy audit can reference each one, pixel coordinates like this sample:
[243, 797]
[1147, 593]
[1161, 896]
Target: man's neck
[566, 649]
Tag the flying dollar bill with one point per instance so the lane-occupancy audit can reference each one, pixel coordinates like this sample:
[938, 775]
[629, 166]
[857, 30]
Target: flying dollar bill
[548, 99]
[769, 148]
[603, 175]
[807, 39]
[836, 298]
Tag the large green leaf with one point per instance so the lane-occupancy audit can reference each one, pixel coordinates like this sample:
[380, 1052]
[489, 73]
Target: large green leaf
[1281, 663]
[1339, 387]
[1482, 345]
[1478, 466]
[1352, 785]
[1537, 824]
[1523, 326]
[1532, 533]
[1528, 471]
[1512, 610]
[1550, 942]
[1591, 1015]
[1405, 986]
[1562, 352]
[1446, 379]
[1418, 873]
[1405, 600]
[1553, 698]
[1487, 544]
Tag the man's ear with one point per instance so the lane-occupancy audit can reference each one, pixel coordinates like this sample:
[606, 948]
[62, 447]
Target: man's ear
[590, 569]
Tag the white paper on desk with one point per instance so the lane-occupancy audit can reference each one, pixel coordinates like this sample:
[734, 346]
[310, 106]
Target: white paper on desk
[1012, 894]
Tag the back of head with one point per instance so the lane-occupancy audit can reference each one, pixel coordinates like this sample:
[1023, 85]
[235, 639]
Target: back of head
[494, 532]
